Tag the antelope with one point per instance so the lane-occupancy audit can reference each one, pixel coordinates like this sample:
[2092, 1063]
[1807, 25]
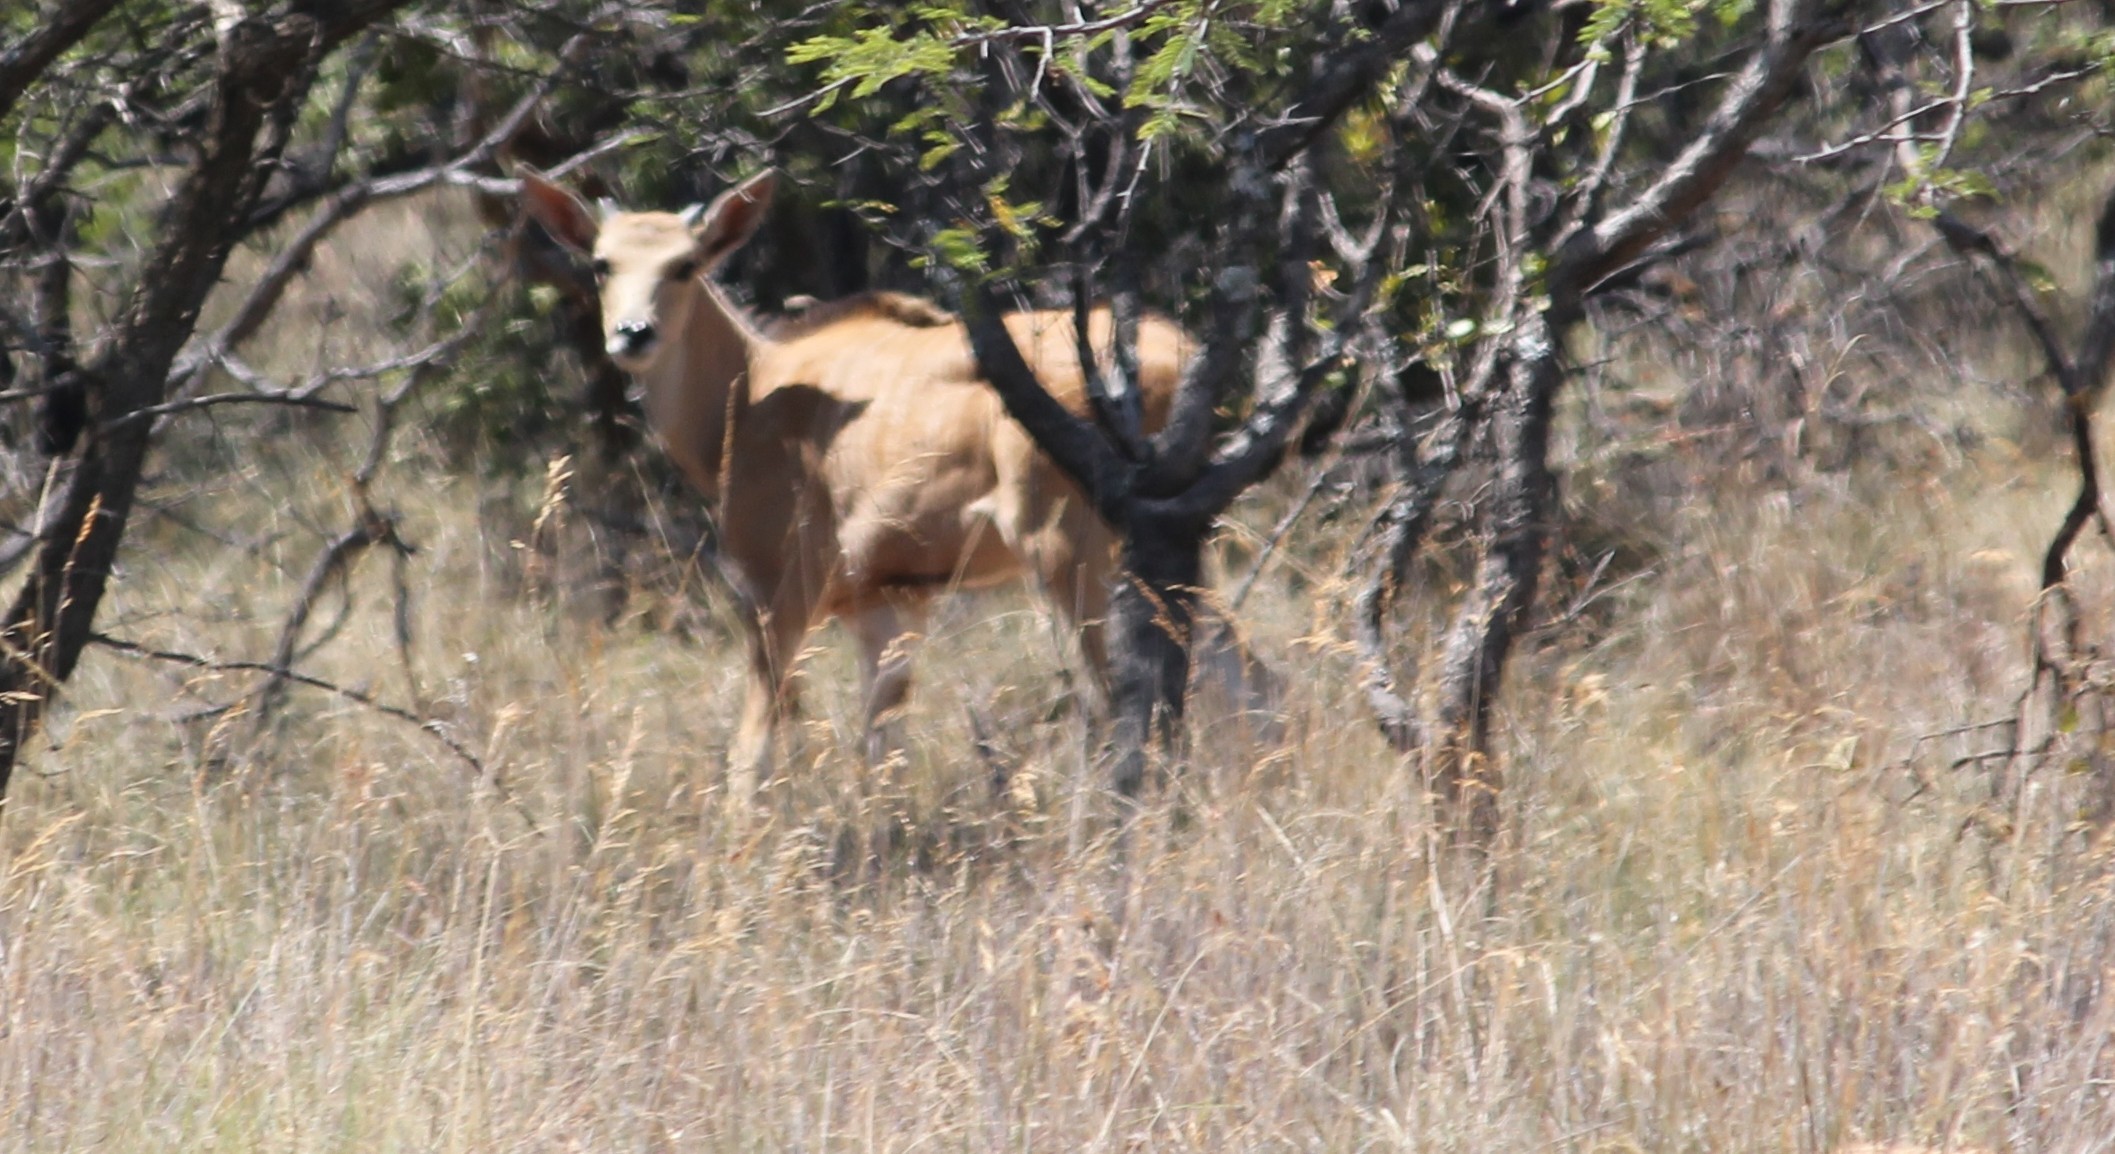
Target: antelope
[859, 461]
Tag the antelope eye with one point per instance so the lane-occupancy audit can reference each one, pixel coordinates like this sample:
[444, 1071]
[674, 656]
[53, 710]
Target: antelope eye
[601, 268]
[683, 270]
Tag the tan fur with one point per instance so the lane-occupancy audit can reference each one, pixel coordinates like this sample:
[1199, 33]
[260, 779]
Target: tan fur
[859, 462]
[806, 314]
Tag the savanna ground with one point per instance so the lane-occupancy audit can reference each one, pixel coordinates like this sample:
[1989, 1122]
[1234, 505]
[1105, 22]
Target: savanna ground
[1744, 900]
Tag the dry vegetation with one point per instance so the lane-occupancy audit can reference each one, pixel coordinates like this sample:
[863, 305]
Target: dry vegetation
[1743, 903]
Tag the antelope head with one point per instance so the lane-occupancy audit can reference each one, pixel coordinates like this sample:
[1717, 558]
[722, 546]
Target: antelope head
[648, 265]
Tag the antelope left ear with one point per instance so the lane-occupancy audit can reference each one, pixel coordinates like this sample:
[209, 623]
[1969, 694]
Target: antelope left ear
[734, 217]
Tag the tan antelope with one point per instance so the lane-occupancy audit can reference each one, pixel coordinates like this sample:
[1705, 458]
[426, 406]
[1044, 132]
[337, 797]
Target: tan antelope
[860, 463]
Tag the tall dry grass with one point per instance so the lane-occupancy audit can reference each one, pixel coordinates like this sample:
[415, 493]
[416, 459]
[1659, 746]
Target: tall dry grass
[1740, 904]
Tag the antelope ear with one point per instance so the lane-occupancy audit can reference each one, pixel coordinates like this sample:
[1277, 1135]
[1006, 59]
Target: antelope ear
[734, 217]
[559, 212]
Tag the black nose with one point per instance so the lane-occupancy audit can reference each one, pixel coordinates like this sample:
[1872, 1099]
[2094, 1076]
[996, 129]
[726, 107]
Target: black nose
[633, 337]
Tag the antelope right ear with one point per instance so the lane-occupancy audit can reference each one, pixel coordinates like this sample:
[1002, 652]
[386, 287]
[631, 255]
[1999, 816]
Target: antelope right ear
[734, 217]
[559, 212]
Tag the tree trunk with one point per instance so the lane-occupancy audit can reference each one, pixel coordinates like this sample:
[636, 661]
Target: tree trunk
[1458, 758]
[265, 71]
[53, 615]
[1392, 541]
[1151, 612]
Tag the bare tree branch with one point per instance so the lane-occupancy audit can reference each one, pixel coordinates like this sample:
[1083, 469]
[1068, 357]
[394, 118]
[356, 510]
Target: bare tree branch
[428, 726]
[26, 59]
[1181, 448]
[1970, 241]
[334, 562]
[1115, 409]
[264, 72]
[1083, 453]
[1796, 29]
[291, 398]
[349, 201]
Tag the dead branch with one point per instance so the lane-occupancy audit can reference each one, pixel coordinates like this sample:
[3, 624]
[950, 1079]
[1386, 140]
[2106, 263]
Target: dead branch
[333, 563]
[2064, 675]
[1391, 541]
[371, 527]
[1115, 404]
[433, 728]
[1796, 29]
[289, 398]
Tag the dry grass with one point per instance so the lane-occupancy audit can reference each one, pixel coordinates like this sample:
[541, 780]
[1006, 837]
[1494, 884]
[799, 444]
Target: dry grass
[1736, 908]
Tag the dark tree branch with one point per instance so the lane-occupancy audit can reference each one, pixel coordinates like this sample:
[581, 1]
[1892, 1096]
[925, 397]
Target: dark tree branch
[1074, 444]
[1116, 410]
[1181, 448]
[2075, 377]
[2064, 676]
[2096, 349]
[1391, 542]
[2080, 379]
[351, 199]
[22, 62]
[334, 562]
[66, 155]
[1284, 395]
[289, 398]
[1519, 369]
[1163, 505]
[1495, 609]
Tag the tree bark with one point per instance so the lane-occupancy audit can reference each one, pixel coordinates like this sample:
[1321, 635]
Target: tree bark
[1459, 761]
[1152, 611]
[1392, 541]
[1457, 754]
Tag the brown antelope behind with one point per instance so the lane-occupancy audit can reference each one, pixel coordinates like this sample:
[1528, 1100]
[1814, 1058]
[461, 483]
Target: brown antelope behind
[859, 462]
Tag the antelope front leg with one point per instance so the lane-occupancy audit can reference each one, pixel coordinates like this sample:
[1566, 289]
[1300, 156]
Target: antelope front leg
[774, 642]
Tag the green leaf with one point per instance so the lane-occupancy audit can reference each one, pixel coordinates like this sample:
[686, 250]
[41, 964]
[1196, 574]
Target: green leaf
[960, 248]
[871, 57]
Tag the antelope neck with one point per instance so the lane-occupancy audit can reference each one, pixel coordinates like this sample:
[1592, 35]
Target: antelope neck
[698, 382]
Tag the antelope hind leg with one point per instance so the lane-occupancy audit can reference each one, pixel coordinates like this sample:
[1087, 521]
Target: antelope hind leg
[886, 630]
